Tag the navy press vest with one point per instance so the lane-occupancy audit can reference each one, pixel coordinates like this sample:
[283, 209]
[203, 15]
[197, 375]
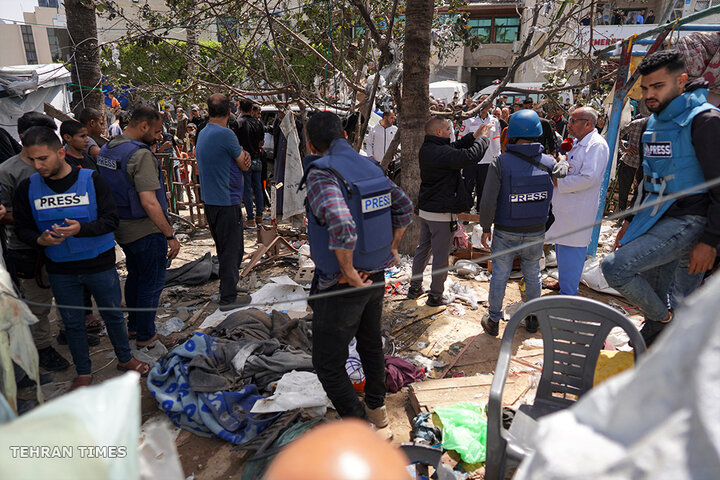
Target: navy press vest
[669, 161]
[77, 203]
[367, 193]
[112, 165]
[525, 189]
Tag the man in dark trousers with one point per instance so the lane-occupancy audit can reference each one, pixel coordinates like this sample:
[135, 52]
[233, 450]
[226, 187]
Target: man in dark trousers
[442, 196]
[680, 145]
[356, 218]
[222, 161]
[250, 134]
[70, 214]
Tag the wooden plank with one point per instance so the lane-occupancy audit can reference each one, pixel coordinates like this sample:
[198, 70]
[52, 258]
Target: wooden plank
[445, 383]
[430, 394]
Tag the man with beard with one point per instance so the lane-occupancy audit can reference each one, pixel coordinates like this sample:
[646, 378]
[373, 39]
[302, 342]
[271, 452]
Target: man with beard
[136, 181]
[679, 151]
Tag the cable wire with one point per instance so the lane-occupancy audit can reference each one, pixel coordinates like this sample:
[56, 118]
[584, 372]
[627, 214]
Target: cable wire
[336, 293]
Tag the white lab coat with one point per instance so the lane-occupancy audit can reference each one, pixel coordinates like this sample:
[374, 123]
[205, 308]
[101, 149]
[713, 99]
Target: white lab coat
[472, 124]
[576, 198]
[379, 140]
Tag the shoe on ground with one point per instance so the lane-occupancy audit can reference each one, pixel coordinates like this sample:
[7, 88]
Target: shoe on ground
[237, 302]
[93, 341]
[531, 324]
[414, 293]
[380, 422]
[250, 223]
[650, 331]
[491, 327]
[437, 300]
[51, 360]
[28, 382]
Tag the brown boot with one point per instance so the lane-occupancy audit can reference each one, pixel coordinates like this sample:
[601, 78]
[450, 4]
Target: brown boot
[379, 419]
[250, 223]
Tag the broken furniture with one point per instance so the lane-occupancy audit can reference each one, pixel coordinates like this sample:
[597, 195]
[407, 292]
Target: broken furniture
[574, 330]
[271, 244]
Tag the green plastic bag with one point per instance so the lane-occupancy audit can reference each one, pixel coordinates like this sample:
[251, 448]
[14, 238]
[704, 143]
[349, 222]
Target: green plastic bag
[464, 430]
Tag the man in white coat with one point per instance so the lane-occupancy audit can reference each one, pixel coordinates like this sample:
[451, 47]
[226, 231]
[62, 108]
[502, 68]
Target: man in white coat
[381, 135]
[475, 175]
[576, 198]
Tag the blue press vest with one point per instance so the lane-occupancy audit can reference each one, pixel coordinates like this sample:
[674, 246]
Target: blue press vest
[525, 189]
[112, 165]
[77, 203]
[669, 161]
[367, 193]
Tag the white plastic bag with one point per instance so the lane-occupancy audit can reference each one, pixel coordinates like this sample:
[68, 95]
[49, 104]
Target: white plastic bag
[593, 277]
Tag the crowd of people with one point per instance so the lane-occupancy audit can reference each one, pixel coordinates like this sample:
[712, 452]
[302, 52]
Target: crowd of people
[69, 196]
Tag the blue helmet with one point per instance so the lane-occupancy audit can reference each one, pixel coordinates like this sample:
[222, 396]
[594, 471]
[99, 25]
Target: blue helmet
[524, 124]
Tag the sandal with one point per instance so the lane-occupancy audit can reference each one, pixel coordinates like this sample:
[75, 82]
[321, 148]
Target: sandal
[81, 381]
[95, 325]
[134, 365]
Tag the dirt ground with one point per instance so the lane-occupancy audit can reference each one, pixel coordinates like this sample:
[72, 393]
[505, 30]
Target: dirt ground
[440, 336]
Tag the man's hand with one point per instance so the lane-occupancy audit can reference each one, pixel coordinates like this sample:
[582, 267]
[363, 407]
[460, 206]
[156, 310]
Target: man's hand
[48, 238]
[621, 234]
[631, 151]
[245, 161]
[357, 279]
[396, 254]
[485, 240]
[3, 211]
[173, 248]
[702, 258]
[73, 228]
[483, 131]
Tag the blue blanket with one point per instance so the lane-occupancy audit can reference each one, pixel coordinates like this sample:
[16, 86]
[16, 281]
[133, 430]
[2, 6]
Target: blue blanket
[224, 414]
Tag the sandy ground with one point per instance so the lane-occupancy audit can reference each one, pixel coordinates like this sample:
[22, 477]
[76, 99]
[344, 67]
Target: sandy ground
[439, 337]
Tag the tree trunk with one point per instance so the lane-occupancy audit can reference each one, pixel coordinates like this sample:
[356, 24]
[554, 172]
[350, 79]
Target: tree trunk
[82, 28]
[415, 104]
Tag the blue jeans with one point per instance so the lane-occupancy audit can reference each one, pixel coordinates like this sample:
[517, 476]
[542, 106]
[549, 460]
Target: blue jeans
[502, 266]
[253, 186]
[644, 269]
[105, 287]
[146, 261]
[571, 261]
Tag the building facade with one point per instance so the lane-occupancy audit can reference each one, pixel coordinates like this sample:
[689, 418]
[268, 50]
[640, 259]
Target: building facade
[41, 38]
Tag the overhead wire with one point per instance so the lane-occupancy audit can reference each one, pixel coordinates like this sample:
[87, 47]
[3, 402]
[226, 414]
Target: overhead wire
[349, 291]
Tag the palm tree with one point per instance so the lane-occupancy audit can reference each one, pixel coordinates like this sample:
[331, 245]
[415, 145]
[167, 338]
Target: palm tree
[415, 103]
[86, 77]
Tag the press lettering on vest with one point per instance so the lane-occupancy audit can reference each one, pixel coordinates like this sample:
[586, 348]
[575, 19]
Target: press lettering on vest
[528, 197]
[658, 149]
[373, 204]
[61, 200]
[106, 162]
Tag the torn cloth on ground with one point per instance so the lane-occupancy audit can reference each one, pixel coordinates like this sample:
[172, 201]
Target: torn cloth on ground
[224, 414]
[196, 272]
[255, 324]
[399, 373]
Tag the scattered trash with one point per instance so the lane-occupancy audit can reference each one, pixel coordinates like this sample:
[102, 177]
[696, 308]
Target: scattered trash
[511, 309]
[425, 363]
[464, 293]
[456, 310]
[593, 277]
[464, 430]
[399, 372]
[424, 432]
[353, 367]
[295, 390]
[175, 324]
[466, 268]
[164, 315]
[533, 343]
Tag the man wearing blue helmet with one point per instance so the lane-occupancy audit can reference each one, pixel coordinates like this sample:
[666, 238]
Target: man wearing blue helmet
[516, 198]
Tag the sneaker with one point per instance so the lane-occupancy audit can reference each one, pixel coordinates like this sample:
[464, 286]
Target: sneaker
[414, 293]
[377, 416]
[51, 360]
[437, 301]
[27, 382]
[531, 324]
[650, 330]
[249, 223]
[490, 326]
[237, 302]
[93, 341]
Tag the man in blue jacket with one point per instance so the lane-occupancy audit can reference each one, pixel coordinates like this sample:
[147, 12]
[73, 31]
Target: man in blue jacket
[680, 148]
[516, 198]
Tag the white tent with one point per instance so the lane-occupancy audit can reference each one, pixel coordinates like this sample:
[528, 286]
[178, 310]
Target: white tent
[26, 88]
[446, 89]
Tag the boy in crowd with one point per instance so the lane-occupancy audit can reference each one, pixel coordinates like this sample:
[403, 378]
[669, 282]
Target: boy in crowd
[76, 139]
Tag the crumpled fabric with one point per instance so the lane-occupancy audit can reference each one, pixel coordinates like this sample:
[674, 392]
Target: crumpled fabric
[399, 373]
[16, 342]
[224, 414]
[196, 272]
[256, 324]
[701, 51]
[266, 369]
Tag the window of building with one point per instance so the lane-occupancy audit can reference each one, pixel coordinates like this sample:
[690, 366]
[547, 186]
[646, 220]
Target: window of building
[482, 28]
[29, 44]
[59, 42]
[507, 29]
[495, 29]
